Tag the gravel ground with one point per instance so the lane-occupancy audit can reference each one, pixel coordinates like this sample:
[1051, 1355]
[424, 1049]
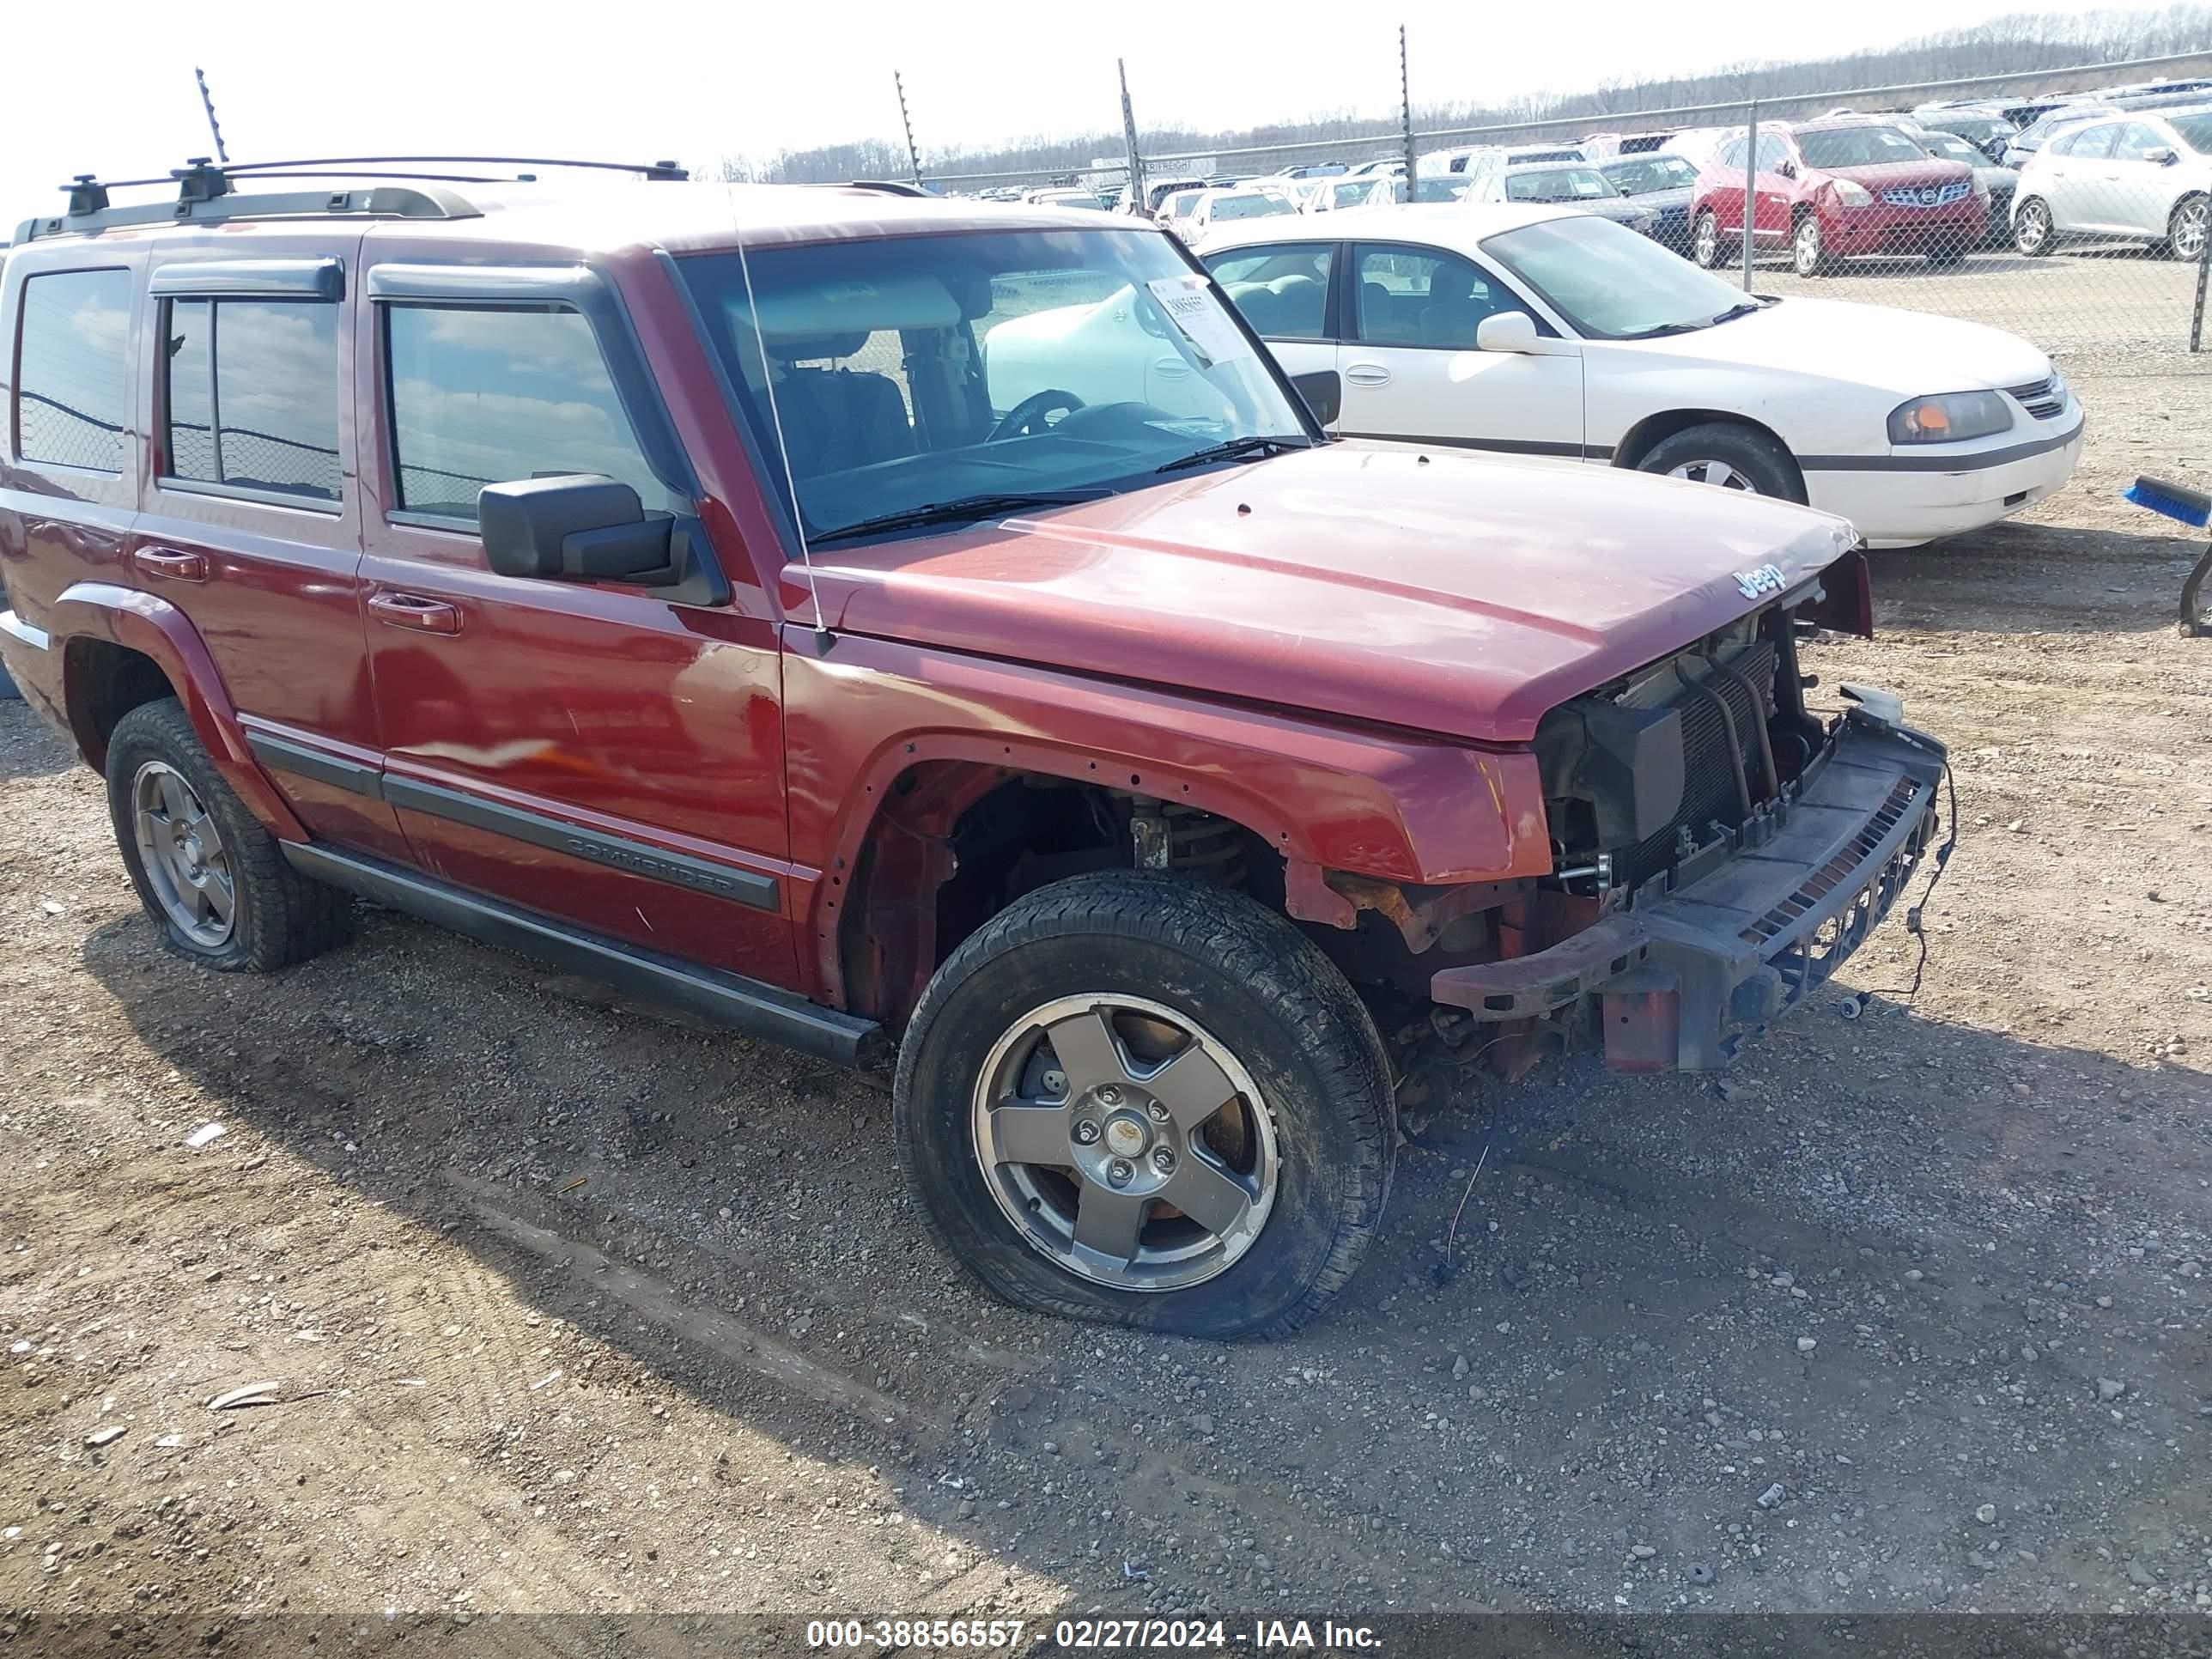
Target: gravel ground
[573, 1310]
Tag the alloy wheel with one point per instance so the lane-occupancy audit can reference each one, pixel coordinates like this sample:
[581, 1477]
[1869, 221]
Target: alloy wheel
[1713, 472]
[2193, 222]
[2033, 228]
[186, 861]
[1707, 247]
[1806, 247]
[1125, 1142]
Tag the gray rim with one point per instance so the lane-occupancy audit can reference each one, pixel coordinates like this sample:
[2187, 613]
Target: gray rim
[2034, 225]
[186, 862]
[1125, 1143]
[1713, 472]
[1709, 240]
[2189, 226]
[1809, 247]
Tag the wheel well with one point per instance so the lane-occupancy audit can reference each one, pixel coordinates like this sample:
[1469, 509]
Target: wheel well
[958, 842]
[101, 682]
[1647, 434]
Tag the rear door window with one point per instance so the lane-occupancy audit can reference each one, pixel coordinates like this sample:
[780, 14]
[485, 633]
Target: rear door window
[1281, 288]
[252, 397]
[492, 394]
[72, 375]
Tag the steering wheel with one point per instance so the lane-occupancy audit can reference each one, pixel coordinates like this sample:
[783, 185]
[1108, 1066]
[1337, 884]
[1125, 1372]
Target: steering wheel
[1028, 415]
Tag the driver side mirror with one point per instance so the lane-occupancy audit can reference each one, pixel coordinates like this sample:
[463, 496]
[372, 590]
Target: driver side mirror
[1506, 331]
[2161, 154]
[1786, 169]
[580, 527]
[1323, 391]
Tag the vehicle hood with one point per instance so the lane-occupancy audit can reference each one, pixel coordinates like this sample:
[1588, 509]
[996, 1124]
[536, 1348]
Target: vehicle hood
[1906, 353]
[1435, 591]
[1893, 175]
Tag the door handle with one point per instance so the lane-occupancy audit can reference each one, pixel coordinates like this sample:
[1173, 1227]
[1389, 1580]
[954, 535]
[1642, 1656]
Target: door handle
[1171, 368]
[173, 563]
[413, 610]
[1367, 374]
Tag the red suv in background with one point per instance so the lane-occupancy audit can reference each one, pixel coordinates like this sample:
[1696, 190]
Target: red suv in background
[1830, 189]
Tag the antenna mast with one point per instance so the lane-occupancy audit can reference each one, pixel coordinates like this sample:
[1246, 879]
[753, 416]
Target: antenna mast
[207, 103]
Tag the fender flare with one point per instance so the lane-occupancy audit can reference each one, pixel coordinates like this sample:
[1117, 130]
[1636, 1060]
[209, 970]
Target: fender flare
[157, 631]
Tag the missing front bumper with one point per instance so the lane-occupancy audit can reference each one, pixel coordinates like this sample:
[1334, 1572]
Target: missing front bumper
[1683, 980]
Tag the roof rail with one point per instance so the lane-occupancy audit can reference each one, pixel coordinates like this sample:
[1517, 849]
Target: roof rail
[206, 194]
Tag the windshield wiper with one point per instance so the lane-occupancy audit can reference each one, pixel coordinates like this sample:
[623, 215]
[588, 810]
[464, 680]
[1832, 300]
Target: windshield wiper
[1658, 329]
[1741, 308]
[964, 509]
[1255, 446]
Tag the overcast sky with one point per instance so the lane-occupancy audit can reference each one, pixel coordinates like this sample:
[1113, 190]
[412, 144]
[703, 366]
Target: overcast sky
[109, 87]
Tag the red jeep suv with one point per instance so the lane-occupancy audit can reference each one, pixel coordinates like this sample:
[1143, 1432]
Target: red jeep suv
[674, 584]
[1832, 190]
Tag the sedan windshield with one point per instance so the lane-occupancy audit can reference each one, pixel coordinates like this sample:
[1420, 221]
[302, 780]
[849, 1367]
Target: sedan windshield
[1950, 147]
[1857, 146]
[950, 378]
[1977, 130]
[1251, 207]
[1609, 282]
[1557, 184]
[1651, 173]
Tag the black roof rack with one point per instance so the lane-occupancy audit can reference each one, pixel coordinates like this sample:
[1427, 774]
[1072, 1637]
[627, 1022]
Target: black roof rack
[205, 193]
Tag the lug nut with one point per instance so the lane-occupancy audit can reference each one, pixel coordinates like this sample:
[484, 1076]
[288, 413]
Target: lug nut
[1109, 1095]
[1159, 1111]
[1163, 1159]
[1119, 1172]
[1087, 1132]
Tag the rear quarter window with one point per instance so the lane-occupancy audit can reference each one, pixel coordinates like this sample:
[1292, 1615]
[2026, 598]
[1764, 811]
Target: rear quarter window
[72, 373]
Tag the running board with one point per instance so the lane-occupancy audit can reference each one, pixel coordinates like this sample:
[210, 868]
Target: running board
[729, 999]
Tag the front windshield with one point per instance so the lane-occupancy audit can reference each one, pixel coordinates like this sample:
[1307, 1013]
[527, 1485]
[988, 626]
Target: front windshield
[1180, 203]
[1978, 131]
[1558, 184]
[1651, 172]
[1858, 147]
[1609, 282]
[911, 371]
[1951, 148]
[1251, 207]
[2195, 130]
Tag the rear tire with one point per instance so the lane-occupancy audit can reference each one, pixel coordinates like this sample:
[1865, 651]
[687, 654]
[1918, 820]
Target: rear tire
[1728, 455]
[1705, 241]
[213, 879]
[2032, 232]
[1008, 1139]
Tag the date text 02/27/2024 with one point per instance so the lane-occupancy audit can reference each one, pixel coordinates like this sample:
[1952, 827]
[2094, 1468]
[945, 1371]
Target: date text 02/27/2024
[1091, 1635]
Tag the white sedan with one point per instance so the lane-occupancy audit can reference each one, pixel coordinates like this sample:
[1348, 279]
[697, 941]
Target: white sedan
[1543, 330]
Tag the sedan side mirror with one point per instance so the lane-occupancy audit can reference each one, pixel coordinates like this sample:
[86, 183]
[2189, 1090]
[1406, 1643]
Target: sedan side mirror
[1787, 169]
[580, 527]
[1323, 391]
[1506, 331]
[2161, 154]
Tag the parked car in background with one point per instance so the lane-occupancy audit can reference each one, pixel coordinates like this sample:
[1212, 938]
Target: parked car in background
[1664, 184]
[1354, 189]
[1829, 190]
[1477, 163]
[1576, 184]
[2030, 138]
[1430, 190]
[1996, 181]
[1157, 191]
[1066, 195]
[2145, 177]
[1313, 170]
[1544, 331]
[1981, 126]
[1698, 145]
[1603, 145]
[1214, 208]
[1174, 211]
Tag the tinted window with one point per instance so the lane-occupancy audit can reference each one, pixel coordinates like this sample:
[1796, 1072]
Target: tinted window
[1426, 299]
[1282, 291]
[491, 394]
[2195, 131]
[2093, 143]
[72, 380]
[2134, 139]
[1651, 172]
[268, 370]
[1558, 184]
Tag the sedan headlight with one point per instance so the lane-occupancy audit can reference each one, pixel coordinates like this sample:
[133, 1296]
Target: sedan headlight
[1949, 417]
[1851, 195]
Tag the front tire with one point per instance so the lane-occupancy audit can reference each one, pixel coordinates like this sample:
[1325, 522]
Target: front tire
[1132, 1098]
[213, 879]
[2187, 229]
[1808, 249]
[2033, 233]
[1730, 456]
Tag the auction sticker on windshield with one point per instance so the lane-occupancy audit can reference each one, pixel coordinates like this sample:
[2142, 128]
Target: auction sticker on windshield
[1191, 307]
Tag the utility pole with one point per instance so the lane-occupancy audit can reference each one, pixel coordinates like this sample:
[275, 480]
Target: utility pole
[1406, 115]
[1129, 136]
[913, 154]
[221, 155]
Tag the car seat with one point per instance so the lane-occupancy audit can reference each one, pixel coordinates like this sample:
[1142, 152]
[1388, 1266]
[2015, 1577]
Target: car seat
[836, 419]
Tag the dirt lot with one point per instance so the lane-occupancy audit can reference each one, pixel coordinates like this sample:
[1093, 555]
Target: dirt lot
[574, 1311]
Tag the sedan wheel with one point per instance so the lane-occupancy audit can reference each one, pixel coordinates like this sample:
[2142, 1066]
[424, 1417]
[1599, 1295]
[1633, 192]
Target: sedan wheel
[1713, 472]
[2187, 230]
[1807, 254]
[2030, 229]
[1705, 245]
